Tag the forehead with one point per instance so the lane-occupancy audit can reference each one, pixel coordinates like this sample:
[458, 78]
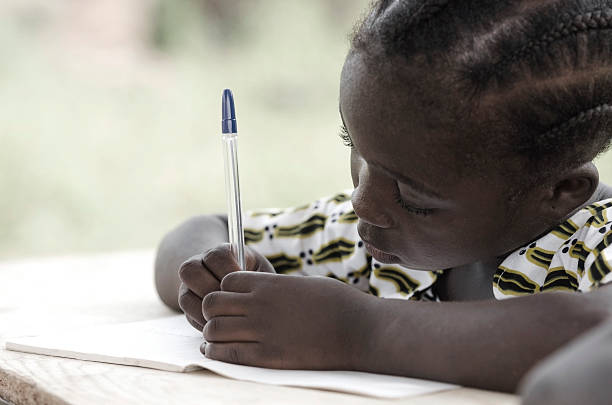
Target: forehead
[399, 120]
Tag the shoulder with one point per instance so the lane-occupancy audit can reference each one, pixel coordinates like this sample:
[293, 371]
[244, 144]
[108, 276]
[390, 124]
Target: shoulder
[576, 255]
[303, 219]
[313, 238]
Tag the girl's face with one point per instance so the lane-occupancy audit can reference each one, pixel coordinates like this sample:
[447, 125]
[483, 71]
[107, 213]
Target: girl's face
[414, 206]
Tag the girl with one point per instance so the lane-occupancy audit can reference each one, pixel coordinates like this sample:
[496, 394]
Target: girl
[472, 126]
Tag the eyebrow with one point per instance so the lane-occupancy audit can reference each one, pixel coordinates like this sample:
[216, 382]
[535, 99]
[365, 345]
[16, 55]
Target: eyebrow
[414, 184]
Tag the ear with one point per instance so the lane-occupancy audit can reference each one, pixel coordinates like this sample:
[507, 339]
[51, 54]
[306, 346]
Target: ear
[570, 191]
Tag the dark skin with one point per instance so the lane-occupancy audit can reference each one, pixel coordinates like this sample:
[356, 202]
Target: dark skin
[577, 374]
[263, 319]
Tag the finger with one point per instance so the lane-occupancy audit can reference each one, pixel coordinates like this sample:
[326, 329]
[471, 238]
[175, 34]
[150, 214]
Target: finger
[223, 303]
[244, 281]
[220, 261]
[193, 323]
[237, 353]
[198, 278]
[194, 262]
[191, 304]
[229, 329]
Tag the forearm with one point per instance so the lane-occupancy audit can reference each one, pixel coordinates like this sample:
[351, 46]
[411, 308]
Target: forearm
[486, 344]
[577, 374]
[192, 237]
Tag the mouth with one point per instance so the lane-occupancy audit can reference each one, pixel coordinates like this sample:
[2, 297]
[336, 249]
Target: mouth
[381, 255]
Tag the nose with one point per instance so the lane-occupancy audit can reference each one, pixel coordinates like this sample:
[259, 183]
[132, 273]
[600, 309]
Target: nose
[366, 198]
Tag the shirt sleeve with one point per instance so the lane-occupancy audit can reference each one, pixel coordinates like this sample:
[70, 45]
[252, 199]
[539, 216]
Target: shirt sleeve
[597, 253]
[321, 239]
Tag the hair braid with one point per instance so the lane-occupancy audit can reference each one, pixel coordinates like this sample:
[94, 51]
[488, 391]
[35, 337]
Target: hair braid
[595, 20]
[522, 86]
[554, 134]
[427, 10]
[394, 20]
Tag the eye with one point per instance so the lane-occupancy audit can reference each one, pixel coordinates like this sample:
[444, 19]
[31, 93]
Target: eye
[346, 138]
[413, 210]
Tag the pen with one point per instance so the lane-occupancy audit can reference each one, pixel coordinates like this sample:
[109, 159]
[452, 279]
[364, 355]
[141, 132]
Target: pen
[232, 183]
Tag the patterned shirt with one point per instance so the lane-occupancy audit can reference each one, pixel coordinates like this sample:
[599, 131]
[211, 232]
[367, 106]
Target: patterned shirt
[321, 239]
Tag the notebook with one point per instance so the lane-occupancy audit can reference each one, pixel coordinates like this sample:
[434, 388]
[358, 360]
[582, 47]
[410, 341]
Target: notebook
[171, 344]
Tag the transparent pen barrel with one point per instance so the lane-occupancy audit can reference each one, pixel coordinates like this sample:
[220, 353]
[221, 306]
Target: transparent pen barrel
[234, 205]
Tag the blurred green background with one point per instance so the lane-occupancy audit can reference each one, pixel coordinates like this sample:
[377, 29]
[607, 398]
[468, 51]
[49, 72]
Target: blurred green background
[110, 114]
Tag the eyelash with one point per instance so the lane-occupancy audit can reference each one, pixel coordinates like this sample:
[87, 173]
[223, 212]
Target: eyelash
[346, 138]
[413, 210]
[347, 141]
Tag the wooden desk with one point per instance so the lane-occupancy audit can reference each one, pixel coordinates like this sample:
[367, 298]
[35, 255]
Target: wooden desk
[38, 295]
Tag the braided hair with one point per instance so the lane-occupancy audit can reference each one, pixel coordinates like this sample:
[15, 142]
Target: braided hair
[534, 76]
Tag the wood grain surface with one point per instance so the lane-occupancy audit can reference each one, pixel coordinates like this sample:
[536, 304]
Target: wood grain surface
[43, 295]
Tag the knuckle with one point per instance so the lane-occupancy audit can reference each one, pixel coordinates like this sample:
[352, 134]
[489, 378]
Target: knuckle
[209, 256]
[189, 264]
[217, 253]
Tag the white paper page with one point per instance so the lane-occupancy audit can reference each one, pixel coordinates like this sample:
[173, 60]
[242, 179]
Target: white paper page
[171, 344]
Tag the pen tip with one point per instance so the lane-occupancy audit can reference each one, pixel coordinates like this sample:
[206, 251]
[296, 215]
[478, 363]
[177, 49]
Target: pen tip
[228, 113]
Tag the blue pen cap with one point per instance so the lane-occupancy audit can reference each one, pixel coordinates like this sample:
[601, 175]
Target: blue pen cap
[228, 113]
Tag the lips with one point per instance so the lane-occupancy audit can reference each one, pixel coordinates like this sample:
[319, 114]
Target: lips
[381, 255]
[365, 232]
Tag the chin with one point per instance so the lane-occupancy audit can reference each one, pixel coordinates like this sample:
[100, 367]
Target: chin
[419, 268]
[411, 266]
[389, 258]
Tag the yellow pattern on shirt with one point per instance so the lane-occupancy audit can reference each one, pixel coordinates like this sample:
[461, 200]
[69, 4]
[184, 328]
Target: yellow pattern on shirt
[321, 239]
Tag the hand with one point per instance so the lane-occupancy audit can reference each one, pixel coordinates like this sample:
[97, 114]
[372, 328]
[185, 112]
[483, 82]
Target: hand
[287, 322]
[201, 275]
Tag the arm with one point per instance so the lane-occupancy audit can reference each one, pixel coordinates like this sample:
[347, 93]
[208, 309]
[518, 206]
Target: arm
[292, 322]
[483, 344]
[577, 374]
[192, 237]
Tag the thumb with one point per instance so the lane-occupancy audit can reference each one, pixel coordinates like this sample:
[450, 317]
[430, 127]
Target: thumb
[255, 261]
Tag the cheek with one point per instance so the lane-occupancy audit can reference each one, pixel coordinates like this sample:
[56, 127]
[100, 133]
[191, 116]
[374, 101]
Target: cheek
[447, 239]
[474, 235]
[355, 168]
